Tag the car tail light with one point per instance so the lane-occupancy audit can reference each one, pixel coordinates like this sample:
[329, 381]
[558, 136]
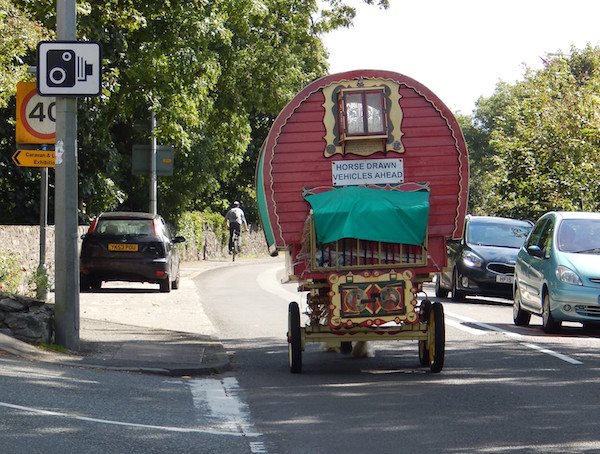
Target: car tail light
[93, 225]
[156, 225]
[160, 274]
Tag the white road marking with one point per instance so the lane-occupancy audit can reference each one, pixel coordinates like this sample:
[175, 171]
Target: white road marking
[267, 280]
[126, 424]
[566, 358]
[518, 337]
[459, 325]
[257, 447]
[218, 400]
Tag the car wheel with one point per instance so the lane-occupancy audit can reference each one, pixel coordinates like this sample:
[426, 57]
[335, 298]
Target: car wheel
[439, 291]
[165, 285]
[175, 283]
[520, 316]
[84, 283]
[457, 295]
[549, 325]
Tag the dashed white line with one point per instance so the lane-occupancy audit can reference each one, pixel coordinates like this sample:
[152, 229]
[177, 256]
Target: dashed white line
[566, 358]
[468, 329]
[518, 337]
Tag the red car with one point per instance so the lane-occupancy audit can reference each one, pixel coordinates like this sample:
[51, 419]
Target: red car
[131, 247]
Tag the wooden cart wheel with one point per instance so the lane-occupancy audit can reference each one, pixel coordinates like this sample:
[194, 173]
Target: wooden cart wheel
[423, 353]
[294, 338]
[346, 348]
[436, 337]
[424, 310]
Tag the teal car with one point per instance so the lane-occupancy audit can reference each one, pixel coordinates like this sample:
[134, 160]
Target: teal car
[557, 274]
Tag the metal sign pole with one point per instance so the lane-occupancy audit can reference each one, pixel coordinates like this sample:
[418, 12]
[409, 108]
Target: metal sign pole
[42, 273]
[66, 256]
[153, 179]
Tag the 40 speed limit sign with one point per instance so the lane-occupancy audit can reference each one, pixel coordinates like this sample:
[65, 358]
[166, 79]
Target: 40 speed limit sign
[36, 116]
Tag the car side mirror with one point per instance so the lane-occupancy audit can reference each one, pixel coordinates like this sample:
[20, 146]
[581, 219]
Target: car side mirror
[535, 251]
[178, 239]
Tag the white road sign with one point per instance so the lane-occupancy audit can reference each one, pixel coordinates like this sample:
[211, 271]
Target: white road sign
[367, 171]
[68, 68]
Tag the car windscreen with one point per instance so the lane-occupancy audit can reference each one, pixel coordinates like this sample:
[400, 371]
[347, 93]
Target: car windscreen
[497, 234]
[579, 236]
[131, 227]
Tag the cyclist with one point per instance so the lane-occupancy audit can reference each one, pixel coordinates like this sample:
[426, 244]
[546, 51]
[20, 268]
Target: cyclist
[235, 216]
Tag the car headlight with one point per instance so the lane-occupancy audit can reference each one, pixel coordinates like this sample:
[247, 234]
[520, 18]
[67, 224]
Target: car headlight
[471, 259]
[567, 275]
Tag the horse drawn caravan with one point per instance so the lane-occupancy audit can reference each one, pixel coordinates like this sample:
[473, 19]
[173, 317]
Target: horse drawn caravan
[361, 180]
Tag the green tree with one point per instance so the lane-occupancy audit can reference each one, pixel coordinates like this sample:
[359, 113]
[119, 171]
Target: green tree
[543, 151]
[214, 73]
[19, 187]
[18, 36]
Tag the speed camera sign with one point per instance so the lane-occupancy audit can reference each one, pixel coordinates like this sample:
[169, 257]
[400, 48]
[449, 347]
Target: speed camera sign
[36, 116]
[69, 68]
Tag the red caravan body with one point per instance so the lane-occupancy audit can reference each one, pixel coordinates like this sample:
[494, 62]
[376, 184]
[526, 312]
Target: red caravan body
[294, 157]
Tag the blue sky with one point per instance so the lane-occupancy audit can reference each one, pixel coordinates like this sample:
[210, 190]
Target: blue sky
[460, 49]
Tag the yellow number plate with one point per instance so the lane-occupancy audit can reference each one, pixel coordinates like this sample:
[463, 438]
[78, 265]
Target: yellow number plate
[123, 247]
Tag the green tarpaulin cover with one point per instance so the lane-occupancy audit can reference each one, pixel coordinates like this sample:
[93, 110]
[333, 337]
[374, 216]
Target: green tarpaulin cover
[370, 214]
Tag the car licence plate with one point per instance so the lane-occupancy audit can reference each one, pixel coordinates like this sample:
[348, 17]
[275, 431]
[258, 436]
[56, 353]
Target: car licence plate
[504, 279]
[128, 247]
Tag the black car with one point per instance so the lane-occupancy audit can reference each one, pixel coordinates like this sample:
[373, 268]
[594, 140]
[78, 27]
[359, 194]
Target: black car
[131, 247]
[483, 261]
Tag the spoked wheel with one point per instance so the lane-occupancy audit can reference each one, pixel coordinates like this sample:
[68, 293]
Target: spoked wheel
[236, 246]
[423, 353]
[436, 338]
[424, 311]
[346, 348]
[294, 336]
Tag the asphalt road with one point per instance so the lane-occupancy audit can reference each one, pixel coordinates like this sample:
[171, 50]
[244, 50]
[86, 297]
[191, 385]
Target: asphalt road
[503, 389]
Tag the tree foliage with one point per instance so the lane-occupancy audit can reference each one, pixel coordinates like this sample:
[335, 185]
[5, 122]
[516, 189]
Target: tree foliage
[214, 72]
[535, 145]
[18, 36]
[19, 187]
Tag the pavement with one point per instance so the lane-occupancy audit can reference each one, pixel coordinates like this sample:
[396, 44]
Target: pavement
[133, 327]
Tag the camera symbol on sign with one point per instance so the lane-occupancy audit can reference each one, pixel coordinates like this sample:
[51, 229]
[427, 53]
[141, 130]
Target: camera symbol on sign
[65, 68]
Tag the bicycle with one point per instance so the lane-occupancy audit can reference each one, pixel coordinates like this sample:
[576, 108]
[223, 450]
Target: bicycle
[236, 245]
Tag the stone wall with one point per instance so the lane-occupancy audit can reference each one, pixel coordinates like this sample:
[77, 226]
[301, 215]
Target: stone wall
[26, 319]
[24, 242]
